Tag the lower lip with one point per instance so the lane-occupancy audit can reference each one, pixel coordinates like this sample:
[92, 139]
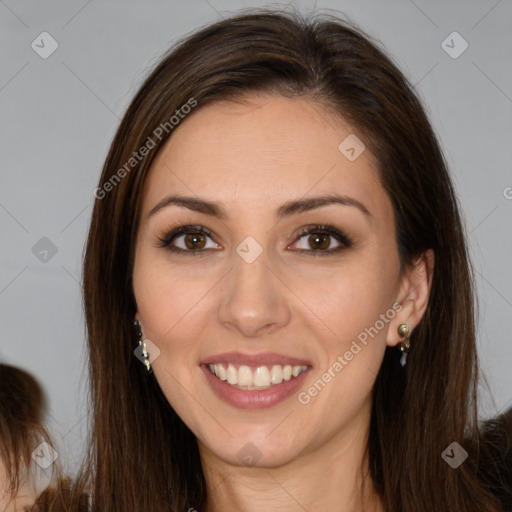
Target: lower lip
[254, 398]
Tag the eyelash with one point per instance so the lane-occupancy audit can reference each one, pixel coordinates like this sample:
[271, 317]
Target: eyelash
[166, 238]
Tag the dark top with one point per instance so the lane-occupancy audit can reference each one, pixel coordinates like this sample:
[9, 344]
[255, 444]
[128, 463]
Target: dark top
[496, 470]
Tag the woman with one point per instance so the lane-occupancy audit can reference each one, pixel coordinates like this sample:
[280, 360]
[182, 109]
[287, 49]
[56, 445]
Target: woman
[276, 217]
[30, 475]
[21, 431]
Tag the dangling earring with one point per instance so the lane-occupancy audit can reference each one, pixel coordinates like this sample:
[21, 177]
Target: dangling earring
[403, 331]
[142, 343]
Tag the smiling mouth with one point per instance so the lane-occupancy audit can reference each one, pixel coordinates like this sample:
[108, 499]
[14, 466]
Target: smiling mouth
[259, 378]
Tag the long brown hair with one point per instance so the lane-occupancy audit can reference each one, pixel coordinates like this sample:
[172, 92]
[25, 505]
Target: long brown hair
[142, 456]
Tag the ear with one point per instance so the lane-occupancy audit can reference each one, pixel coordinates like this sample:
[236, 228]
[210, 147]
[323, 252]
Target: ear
[413, 295]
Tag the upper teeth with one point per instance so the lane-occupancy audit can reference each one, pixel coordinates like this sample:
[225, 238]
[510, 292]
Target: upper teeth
[255, 378]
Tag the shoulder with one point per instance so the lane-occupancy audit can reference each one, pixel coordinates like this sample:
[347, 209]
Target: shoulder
[495, 464]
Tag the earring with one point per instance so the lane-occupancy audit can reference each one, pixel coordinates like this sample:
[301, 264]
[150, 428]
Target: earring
[138, 328]
[403, 331]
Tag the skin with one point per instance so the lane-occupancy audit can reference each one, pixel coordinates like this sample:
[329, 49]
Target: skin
[253, 157]
[25, 496]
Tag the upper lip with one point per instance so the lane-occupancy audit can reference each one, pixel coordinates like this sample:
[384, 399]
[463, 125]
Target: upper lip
[266, 358]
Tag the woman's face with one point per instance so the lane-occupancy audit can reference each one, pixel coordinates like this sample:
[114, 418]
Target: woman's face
[264, 292]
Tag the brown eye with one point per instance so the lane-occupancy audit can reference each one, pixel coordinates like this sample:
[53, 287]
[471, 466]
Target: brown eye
[319, 241]
[194, 241]
[187, 240]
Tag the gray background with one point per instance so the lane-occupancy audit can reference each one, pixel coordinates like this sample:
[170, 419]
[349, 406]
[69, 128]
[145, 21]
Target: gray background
[59, 114]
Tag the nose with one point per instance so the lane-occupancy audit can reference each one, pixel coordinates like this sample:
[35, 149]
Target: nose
[255, 300]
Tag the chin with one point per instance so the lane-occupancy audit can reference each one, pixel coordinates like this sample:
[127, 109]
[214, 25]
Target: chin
[255, 447]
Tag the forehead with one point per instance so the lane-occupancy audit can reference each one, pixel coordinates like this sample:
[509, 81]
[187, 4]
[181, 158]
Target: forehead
[266, 150]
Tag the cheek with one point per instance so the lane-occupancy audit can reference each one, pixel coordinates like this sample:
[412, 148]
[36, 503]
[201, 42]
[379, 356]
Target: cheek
[168, 304]
[354, 313]
[353, 298]
[351, 342]
[168, 300]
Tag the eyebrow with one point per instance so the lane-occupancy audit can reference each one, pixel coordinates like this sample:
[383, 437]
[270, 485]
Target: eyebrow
[289, 208]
